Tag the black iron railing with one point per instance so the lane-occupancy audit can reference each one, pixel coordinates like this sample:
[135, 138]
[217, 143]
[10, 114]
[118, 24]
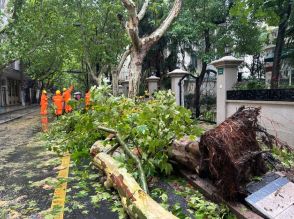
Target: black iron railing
[262, 95]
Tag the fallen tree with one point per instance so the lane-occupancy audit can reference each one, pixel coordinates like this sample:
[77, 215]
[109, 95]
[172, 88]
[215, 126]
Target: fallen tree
[186, 153]
[144, 131]
[229, 154]
[136, 202]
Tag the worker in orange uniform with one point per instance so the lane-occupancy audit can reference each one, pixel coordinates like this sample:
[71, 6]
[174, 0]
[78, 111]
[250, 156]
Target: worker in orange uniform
[87, 99]
[67, 97]
[58, 102]
[44, 105]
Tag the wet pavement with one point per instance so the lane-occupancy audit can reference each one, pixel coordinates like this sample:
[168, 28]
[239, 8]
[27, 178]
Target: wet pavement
[28, 177]
[87, 197]
[26, 169]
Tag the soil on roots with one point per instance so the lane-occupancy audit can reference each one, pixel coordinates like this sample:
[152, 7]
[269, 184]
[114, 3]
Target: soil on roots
[230, 153]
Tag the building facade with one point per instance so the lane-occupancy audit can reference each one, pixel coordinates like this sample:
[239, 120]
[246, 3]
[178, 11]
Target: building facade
[10, 85]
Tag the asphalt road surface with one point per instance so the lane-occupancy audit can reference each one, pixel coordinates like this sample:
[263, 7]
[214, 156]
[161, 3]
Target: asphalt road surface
[28, 175]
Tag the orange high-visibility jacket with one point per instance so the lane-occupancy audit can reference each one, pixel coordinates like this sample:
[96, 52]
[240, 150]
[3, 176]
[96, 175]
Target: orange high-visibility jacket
[67, 97]
[44, 104]
[58, 102]
[87, 99]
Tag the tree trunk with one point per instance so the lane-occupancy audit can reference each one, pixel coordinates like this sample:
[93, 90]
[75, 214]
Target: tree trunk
[135, 72]
[279, 47]
[277, 56]
[140, 46]
[186, 153]
[199, 80]
[135, 201]
[115, 86]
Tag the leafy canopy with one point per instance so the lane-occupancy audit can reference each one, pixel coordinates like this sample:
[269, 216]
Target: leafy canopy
[53, 36]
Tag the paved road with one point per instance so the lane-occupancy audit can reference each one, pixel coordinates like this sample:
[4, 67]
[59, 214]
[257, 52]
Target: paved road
[28, 176]
[26, 167]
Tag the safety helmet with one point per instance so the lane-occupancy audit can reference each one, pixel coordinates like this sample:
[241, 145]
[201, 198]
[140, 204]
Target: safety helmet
[64, 89]
[58, 92]
[44, 92]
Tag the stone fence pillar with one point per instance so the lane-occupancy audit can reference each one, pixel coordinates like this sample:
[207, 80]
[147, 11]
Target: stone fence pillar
[152, 84]
[176, 75]
[227, 75]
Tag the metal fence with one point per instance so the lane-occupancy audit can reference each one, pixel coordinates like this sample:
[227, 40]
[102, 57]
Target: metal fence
[262, 95]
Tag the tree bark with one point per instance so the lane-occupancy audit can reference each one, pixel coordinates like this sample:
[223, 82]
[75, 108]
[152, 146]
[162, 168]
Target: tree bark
[135, 201]
[186, 153]
[279, 46]
[115, 85]
[140, 46]
[200, 78]
[135, 73]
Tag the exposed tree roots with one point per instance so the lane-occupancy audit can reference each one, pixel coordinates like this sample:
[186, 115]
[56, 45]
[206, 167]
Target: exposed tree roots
[230, 153]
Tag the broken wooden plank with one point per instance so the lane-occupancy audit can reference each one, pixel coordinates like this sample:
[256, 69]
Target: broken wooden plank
[209, 191]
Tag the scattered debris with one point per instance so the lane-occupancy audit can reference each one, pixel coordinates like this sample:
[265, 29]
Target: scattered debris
[274, 200]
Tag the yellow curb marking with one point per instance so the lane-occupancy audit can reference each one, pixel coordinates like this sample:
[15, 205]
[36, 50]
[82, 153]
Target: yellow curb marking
[60, 192]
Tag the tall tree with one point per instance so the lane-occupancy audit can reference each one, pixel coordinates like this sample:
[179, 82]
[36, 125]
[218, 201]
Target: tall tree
[55, 36]
[206, 29]
[274, 13]
[141, 45]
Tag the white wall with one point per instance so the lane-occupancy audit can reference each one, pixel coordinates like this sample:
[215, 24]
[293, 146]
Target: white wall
[276, 116]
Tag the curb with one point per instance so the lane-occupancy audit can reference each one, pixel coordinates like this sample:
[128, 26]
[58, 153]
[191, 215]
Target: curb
[15, 110]
[18, 117]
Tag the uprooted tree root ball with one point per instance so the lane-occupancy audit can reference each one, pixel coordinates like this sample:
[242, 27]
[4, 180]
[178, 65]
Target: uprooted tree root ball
[230, 153]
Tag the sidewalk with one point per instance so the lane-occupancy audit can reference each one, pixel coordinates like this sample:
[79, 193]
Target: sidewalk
[8, 109]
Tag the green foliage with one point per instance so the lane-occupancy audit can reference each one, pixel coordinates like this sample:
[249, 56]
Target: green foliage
[226, 31]
[197, 205]
[251, 84]
[286, 157]
[270, 11]
[209, 116]
[54, 36]
[148, 126]
[158, 193]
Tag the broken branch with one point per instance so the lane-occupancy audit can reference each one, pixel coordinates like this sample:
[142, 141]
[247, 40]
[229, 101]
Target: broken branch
[130, 154]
